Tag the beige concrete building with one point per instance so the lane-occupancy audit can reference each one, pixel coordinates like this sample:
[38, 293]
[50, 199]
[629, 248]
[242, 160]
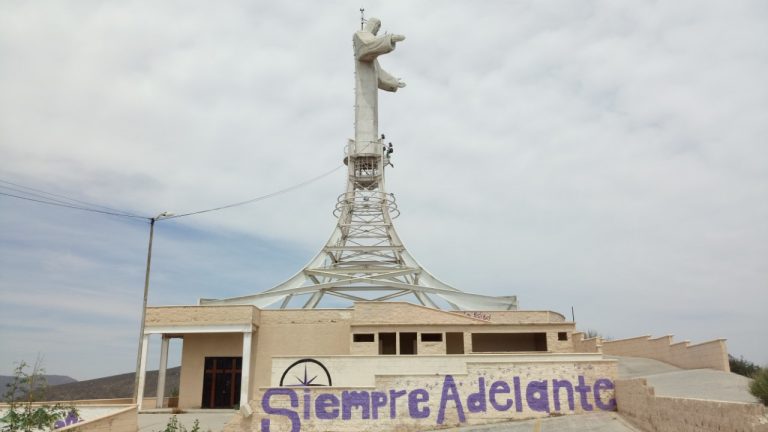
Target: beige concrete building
[233, 355]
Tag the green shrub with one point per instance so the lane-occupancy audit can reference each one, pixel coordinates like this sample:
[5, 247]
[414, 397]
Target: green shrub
[26, 388]
[743, 367]
[174, 426]
[759, 386]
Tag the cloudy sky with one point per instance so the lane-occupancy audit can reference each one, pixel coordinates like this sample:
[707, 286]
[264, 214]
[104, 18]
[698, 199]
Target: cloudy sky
[609, 156]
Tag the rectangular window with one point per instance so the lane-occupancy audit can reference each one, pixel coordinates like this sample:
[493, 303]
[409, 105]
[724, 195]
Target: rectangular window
[562, 336]
[454, 343]
[431, 337]
[388, 343]
[362, 337]
[508, 342]
[408, 343]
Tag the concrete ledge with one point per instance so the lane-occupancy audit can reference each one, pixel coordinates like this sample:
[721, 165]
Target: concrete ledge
[125, 420]
[637, 402]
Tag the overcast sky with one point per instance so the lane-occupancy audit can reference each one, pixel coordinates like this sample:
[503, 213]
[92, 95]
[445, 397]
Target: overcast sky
[609, 156]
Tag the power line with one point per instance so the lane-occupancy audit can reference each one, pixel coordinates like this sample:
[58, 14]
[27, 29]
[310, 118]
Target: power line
[119, 213]
[62, 196]
[74, 207]
[260, 198]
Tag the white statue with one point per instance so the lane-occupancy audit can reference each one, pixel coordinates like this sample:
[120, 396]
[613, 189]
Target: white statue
[369, 77]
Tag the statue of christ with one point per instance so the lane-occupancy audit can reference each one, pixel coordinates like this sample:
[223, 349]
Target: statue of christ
[369, 77]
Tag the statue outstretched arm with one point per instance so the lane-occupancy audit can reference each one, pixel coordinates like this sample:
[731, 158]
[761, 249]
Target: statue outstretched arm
[387, 81]
[368, 47]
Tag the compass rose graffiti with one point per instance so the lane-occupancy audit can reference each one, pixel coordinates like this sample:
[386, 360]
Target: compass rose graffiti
[306, 373]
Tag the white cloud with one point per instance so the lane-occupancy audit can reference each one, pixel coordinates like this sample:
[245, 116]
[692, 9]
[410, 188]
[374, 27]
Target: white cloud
[605, 155]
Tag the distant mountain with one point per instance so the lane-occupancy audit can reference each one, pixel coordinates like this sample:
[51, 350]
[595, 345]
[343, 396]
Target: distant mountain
[51, 379]
[112, 387]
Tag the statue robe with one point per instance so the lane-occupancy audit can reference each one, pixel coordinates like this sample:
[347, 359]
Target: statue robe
[369, 78]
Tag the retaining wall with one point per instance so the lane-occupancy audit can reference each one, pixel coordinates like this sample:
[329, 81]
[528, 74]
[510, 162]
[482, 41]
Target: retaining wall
[486, 393]
[637, 403]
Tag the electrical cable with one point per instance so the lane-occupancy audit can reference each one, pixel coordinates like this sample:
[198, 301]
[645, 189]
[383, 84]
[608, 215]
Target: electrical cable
[74, 207]
[62, 196]
[120, 213]
[260, 198]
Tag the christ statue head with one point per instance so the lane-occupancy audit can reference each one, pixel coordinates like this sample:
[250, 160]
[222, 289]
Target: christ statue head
[373, 25]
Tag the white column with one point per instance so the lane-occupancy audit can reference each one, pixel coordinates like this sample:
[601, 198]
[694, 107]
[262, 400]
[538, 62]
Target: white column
[245, 375]
[142, 371]
[161, 372]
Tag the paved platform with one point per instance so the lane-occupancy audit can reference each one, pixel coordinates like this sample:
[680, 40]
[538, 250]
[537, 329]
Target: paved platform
[593, 422]
[210, 420]
[668, 380]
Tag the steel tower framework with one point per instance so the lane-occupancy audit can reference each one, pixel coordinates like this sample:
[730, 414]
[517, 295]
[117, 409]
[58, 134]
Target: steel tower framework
[364, 259]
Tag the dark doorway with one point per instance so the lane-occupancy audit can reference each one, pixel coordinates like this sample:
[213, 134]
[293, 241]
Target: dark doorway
[454, 343]
[408, 343]
[221, 382]
[387, 343]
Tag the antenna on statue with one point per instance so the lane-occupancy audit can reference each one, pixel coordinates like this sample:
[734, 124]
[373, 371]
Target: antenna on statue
[362, 18]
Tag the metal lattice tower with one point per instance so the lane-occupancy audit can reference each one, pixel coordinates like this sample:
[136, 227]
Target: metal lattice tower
[364, 259]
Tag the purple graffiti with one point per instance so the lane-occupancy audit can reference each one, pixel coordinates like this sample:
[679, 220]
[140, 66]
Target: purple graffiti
[393, 395]
[518, 395]
[476, 401]
[450, 393]
[325, 401]
[499, 387]
[414, 399]
[70, 419]
[292, 416]
[537, 396]
[378, 400]
[560, 384]
[583, 391]
[351, 399]
[499, 396]
[607, 385]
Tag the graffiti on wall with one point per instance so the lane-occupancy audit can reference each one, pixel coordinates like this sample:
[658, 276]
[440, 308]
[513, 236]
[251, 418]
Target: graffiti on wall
[485, 316]
[453, 400]
[70, 419]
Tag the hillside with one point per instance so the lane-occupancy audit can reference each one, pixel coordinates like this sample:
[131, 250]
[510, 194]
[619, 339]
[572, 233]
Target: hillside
[111, 387]
[51, 379]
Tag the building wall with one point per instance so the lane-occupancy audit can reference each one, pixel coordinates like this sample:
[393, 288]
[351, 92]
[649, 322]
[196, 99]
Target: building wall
[194, 350]
[322, 332]
[431, 401]
[590, 345]
[408, 313]
[638, 404]
[165, 316]
[304, 333]
[552, 330]
[362, 371]
[515, 317]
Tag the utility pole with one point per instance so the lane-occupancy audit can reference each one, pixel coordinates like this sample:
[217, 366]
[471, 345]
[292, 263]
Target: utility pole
[144, 304]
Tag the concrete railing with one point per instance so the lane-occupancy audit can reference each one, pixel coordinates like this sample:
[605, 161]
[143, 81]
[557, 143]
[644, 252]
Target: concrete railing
[637, 402]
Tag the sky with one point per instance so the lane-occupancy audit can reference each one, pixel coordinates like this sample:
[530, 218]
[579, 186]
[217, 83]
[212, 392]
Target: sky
[606, 156]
